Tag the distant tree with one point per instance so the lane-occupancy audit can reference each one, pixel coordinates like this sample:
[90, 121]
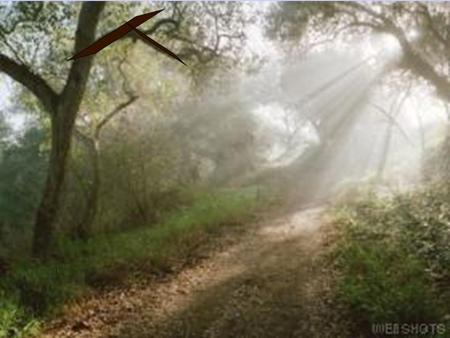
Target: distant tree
[421, 29]
[391, 117]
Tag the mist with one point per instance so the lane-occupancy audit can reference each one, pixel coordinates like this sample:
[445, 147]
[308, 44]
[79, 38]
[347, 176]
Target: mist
[288, 178]
[337, 96]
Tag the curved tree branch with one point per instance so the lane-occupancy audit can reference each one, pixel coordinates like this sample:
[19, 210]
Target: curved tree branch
[392, 120]
[426, 13]
[411, 58]
[33, 82]
[417, 64]
[161, 23]
[113, 113]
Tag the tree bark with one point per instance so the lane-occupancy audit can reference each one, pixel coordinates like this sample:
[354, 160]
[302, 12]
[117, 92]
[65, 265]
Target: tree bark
[62, 121]
[92, 143]
[412, 59]
[85, 225]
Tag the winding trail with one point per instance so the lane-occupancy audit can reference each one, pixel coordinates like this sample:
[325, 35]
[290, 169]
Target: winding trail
[268, 281]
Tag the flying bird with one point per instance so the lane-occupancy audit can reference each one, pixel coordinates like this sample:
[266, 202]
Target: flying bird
[128, 27]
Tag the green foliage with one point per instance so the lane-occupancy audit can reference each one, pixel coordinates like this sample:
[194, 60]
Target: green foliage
[22, 173]
[14, 321]
[394, 257]
[107, 259]
[384, 284]
[154, 244]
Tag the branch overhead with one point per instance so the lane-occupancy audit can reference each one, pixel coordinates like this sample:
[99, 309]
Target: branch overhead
[412, 59]
[113, 113]
[33, 82]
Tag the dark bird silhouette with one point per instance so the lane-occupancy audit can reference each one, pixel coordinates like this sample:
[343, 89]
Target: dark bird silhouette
[128, 27]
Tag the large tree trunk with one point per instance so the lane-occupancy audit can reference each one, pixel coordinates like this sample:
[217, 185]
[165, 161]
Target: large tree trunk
[314, 180]
[63, 120]
[47, 210]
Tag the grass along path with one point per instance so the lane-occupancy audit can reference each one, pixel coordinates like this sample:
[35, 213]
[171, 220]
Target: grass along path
[31, 293]
[265, 282]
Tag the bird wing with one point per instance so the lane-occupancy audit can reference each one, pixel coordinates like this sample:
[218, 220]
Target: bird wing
[114, 35]
[152, 43]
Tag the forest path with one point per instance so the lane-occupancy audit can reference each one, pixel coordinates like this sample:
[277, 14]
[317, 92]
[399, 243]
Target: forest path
[268, 281]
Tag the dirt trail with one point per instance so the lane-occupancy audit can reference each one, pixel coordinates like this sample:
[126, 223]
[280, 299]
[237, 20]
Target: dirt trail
[268, 282]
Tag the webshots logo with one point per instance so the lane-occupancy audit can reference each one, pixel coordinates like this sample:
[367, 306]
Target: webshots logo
[409, 329]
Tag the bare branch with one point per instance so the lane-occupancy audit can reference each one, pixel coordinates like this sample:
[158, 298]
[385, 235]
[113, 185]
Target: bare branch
[159, 24]
[369, 11]
[375, 27]
[391, 115]
[83, 138]
[113, 113]
[392, 120]
[426, 13]
[411, 60]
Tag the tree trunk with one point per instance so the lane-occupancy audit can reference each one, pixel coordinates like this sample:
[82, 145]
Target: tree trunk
[84, 227]
[47, 210]
[311, 169]
[62, 128]
[62, 122]
[444, 170]
[92, 143]
[384, 153]
[422, 136]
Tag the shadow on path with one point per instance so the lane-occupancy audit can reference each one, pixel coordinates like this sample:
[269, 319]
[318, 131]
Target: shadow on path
[271, 284]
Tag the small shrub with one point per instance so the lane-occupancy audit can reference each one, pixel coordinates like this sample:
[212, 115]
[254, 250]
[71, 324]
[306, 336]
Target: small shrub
[14, 321]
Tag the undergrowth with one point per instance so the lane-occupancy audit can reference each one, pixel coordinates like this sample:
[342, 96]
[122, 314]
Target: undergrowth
[33, 290]
[394, 258]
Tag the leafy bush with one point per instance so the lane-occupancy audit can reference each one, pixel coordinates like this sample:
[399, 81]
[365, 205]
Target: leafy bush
[394, 257]
[14, 321]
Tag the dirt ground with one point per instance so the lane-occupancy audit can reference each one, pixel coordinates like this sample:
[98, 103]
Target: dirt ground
[268, 281]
